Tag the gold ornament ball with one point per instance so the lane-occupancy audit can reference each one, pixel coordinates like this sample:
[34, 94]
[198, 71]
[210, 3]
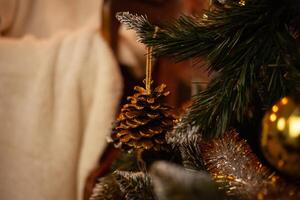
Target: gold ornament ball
[280, 138]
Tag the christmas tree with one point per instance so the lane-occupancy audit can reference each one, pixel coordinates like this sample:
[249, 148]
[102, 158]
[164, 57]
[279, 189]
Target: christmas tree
[240, 139]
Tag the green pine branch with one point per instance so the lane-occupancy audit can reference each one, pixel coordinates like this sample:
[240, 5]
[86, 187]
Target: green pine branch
[251, 47]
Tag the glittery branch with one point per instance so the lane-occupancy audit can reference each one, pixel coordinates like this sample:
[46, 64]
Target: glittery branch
[137, 22]
[187, 143]
[239, 172]
[135, 185]
[106, 189]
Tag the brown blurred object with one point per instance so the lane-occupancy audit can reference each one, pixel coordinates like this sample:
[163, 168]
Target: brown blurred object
[195, 7]
[179, 77]
[156, 10]
[176, 76]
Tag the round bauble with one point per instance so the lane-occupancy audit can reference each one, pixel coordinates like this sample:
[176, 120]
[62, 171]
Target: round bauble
[280, 137]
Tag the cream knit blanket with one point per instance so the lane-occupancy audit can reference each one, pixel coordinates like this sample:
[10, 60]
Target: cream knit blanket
[59, 90]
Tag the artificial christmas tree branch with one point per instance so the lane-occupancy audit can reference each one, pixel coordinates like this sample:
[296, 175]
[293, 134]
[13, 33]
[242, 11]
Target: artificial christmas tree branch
[251, 46]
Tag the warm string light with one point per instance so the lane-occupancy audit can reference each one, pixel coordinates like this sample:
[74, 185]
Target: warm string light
[242, 2]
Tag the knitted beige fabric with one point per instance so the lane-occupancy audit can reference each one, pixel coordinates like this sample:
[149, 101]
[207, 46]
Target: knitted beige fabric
[59, 91]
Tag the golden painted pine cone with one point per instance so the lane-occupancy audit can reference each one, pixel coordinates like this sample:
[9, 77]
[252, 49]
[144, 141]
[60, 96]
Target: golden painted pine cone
[144, 121]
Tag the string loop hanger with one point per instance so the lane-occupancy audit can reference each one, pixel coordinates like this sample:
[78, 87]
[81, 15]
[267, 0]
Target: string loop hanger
[149, 65]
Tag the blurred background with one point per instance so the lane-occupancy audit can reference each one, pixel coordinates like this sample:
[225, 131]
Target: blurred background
[66, 66]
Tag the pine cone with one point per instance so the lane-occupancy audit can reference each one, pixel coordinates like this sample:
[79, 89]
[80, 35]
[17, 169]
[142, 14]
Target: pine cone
[144, 121]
